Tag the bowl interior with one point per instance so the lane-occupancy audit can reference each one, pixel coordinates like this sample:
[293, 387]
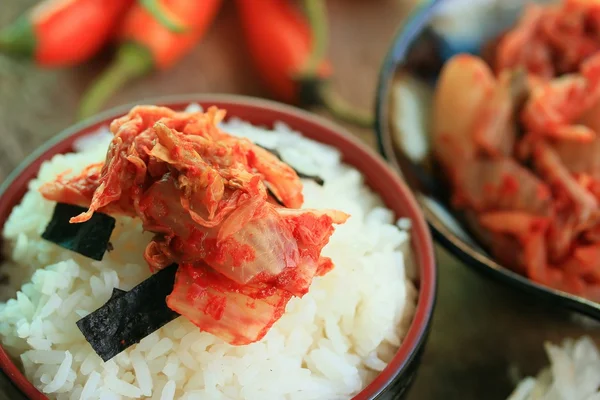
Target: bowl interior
[437, 31]
[259, 112]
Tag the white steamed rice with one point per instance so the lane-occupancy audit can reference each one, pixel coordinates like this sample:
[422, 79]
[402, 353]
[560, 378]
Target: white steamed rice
[573, 374]
[328, 345]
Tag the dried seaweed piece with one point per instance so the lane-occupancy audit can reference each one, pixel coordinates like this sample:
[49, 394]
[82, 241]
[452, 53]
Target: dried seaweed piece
[275, 152]
[129, 317]
[273, 195]
[89, 239]
[318, 180]
[117, 293]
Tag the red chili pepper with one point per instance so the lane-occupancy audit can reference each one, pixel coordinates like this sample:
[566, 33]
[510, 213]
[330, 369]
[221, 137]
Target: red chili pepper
[62, 32]
[288, 53]
[147, 44]
[162, 15]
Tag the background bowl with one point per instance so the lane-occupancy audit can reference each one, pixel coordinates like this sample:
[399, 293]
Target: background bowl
[432, 34]
[396, 378]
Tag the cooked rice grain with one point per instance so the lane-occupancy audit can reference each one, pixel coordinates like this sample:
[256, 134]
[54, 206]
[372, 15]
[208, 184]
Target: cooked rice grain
[328, 345]
[573, 374]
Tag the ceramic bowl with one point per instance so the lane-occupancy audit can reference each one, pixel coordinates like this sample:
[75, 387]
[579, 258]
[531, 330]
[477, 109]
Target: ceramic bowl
[396, 378]
[436, 31]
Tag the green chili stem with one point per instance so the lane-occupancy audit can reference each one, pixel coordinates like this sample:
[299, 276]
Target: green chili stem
[154, 8]
[316, 13]
[132, 62]
[18, 39]
[340, 109]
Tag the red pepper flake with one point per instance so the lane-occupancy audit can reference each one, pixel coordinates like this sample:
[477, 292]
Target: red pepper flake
[510, 185]
[215, 306]
[195, 292]
[229, 249]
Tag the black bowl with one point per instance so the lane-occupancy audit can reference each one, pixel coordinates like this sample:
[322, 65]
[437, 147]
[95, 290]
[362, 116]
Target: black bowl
[435, 31]
[393, 382]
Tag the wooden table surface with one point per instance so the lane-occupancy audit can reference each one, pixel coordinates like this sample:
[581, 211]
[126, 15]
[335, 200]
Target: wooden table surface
[483, 333]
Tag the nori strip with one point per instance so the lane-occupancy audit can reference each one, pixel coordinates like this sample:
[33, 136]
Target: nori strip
[117, 293]
[273, 195]
[318, 180]
[129, 317]
[272, 151]
[89, 238]
[277, 200]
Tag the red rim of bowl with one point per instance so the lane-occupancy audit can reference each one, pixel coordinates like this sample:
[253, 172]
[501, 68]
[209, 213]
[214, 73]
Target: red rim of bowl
[379, 176]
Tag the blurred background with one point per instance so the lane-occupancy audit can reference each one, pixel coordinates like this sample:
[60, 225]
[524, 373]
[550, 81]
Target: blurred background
[36, 103]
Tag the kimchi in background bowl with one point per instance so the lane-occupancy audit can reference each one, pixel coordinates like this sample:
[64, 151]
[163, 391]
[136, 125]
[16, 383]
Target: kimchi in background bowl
[437, 30]
[394, 381]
